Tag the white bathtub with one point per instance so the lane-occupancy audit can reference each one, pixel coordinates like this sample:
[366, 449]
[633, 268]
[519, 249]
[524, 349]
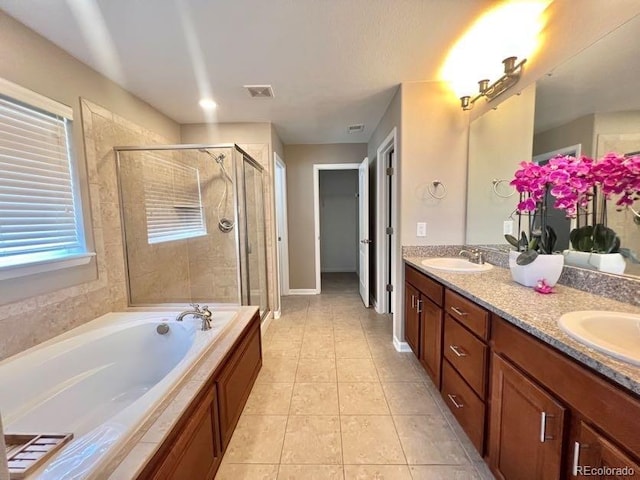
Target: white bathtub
[99, 382]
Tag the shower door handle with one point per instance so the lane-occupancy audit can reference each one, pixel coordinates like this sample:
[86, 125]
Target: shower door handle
[366, 240]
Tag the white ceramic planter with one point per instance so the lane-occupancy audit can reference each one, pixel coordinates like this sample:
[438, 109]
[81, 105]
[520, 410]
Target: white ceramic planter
[603, 262]
[547, 267]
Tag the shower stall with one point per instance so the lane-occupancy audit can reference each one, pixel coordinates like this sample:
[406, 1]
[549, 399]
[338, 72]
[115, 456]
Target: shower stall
[193, 225]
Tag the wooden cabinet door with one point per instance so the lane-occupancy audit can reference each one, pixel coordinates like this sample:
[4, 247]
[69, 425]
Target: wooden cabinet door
[195, 452]
[236, 380]
[431, 339]
[412, 318]
[594, 456]
[526, 429]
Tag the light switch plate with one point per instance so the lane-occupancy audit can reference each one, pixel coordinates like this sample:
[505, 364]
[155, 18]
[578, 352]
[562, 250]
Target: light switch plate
[421, 231]
[507, 227]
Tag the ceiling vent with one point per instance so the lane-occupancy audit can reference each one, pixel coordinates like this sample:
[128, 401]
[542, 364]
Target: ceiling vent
[355, 128]
[260, 91]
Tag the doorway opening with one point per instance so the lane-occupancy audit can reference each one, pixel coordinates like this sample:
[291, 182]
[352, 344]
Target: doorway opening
[341, 227]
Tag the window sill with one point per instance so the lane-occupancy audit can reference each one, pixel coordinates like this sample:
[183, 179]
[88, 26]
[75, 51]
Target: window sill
[43, 266]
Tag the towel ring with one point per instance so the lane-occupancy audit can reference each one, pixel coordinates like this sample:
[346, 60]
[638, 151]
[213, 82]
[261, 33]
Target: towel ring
[435, 184]
[635, 212]
[495, 184]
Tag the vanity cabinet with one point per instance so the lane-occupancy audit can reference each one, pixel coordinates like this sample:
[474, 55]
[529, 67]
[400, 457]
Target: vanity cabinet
[592, 450]
[194, 447]
[527, 426]
[412, 318]
[423, 320]
[530, 410]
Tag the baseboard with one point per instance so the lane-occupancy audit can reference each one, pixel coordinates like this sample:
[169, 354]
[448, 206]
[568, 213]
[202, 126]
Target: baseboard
[277, 314]
[303, 291]
[373, 303]
[401, 346]
[264, 326]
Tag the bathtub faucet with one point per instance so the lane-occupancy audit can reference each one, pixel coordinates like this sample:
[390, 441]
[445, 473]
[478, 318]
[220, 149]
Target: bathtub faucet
[203, 313]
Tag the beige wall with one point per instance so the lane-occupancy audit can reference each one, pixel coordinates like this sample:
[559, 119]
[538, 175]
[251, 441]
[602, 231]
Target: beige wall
[578, 131]
[434, 147]
[38, 307]
[498, 141]
[300, 160]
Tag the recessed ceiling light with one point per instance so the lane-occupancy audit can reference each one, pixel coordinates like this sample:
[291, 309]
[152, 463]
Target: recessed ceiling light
[208, 104]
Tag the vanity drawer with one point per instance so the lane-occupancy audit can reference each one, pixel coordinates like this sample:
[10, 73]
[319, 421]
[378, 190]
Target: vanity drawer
[468, 409]
[469, 314]
[428, 287]
[467, 354]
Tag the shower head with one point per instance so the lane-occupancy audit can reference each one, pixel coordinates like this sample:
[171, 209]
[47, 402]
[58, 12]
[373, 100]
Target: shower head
[219, 159]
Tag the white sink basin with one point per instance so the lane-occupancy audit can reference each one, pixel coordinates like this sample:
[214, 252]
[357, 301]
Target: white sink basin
[617, 334]
[459, 265]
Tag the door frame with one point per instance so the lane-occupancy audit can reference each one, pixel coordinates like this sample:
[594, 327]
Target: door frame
[316, 207]
[282, 264]
[384, 264]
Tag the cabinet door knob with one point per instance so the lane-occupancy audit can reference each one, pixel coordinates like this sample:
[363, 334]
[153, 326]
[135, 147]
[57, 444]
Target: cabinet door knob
[458, 311]
[413, 301]
[543, 427]
[458, 351]
[454, 401]
[419, 306]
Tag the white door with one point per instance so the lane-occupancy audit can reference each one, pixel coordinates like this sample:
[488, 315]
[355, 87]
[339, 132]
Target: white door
[363, 215]
[281, 225]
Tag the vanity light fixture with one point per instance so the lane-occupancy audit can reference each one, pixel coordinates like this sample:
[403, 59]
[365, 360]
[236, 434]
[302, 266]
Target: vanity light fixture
[512, 73]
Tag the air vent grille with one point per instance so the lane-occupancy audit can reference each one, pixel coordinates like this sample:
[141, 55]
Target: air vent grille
[260, 91]
[355, 128]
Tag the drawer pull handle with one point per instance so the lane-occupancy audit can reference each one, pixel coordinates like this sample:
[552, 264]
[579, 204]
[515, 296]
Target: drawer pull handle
[419, 306]
[458, 351]
[453, 400]
[458, 311]
[413, 301]
[576, 458]
[543, 427]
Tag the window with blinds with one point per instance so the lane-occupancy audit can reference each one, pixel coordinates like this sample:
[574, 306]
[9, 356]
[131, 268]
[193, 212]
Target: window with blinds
[172, 199]
[40, 214]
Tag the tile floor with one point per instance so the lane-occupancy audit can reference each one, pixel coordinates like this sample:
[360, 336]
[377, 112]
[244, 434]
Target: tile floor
[335, 400]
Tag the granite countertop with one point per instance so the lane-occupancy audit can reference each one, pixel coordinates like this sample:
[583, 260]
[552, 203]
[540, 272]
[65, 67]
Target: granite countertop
[538, 314]
[136, 452]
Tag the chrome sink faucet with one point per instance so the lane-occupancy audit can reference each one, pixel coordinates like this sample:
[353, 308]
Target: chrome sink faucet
[203, 313]
[474, 255]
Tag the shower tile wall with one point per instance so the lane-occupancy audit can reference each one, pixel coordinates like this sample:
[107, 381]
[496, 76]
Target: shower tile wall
[35, 319]
[199, 269]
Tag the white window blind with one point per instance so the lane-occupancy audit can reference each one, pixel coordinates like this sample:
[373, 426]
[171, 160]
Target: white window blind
[172, 200]
[40, 218]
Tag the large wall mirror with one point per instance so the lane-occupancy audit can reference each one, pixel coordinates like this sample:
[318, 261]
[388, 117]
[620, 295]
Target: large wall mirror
[589, 105]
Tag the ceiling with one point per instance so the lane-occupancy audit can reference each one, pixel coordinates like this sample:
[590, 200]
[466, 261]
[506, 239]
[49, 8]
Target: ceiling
[602, 78]
[332, 63]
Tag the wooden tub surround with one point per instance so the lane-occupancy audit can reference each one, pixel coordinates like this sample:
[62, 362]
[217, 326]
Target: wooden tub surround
[188, 437]
[533, 409]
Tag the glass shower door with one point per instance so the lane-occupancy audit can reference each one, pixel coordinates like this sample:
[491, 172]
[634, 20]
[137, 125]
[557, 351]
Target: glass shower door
[256, 249]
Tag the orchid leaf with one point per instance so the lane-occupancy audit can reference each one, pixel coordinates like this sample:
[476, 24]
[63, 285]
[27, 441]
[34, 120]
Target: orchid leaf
[512, 240]
[525, 258]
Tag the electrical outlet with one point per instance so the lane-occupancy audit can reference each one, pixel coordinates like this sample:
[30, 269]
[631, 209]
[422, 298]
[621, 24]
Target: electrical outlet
[507, 227]
[422, 229]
